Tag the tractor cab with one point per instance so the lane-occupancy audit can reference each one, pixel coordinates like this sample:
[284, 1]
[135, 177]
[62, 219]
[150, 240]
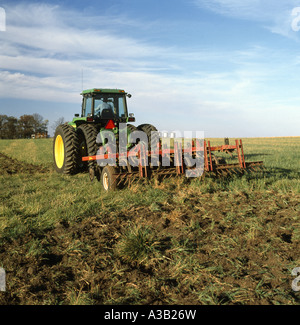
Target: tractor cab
[102, 105]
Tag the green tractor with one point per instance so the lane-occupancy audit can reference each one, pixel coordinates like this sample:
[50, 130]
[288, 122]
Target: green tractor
[102, 109]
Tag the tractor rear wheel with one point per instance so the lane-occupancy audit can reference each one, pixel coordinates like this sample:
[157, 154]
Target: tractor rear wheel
[108, 178]
[152, 137]
[65, 149]
[130, 129]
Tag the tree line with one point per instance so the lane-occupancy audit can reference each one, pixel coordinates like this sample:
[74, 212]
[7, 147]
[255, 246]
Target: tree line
[22, 127]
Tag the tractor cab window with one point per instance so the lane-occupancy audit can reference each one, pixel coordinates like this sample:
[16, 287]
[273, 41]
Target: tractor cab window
[121, 107]
[104, 107]
[87, 107]
[110, 106]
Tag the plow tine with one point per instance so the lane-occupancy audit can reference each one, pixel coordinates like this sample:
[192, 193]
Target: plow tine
[220, 172]
[127, 180]
[120, 178]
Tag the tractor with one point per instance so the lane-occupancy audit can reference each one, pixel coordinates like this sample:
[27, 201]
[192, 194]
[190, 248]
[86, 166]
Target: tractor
[83, 145]
[102, 109]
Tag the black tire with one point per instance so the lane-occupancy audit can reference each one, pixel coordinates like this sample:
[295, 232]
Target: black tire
[65, 150]
[148, 128]
[130, 128]
[108, 178]
[87, 135]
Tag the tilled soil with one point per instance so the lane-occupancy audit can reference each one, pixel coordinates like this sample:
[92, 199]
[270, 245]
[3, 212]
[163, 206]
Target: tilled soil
[220, 248]
[10, 166]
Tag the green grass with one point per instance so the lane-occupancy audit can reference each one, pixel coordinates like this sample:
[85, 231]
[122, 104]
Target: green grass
[63, 240]
[37, 151]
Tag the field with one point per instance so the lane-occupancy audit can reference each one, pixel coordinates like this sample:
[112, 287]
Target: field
[228, 241]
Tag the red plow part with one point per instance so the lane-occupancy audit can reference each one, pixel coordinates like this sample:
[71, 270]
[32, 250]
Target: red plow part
[176, 157]
[212, 165]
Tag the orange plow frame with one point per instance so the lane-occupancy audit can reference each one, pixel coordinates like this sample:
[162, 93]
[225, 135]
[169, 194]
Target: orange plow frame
[127, 173]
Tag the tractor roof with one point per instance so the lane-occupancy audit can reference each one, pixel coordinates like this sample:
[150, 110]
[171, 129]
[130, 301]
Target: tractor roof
[102, 90]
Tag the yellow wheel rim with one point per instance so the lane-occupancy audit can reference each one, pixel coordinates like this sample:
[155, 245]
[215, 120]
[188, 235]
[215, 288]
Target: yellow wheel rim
[59, 151]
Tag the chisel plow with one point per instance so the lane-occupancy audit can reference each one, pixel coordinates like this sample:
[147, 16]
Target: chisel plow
[195, 158]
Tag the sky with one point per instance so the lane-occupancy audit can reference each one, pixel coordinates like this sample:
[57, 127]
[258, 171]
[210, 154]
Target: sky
[230, 68]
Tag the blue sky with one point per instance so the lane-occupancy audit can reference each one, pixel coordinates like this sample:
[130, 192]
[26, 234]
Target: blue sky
[225, 67]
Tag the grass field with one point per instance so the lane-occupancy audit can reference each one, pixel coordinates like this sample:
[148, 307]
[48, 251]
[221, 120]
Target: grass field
[209, 242]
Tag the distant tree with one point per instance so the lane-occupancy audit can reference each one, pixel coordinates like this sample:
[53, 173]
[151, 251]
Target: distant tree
[3, 121]
[11, 127]
[58, 122]
[24, 127]
[40, 125]
[27, 125]
[8, 127]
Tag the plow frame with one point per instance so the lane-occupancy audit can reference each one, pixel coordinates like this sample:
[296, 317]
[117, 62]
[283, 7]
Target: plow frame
[199, 149]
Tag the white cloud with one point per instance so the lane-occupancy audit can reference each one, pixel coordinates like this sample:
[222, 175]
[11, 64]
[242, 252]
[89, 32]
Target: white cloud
[275, 16]
[44, 50]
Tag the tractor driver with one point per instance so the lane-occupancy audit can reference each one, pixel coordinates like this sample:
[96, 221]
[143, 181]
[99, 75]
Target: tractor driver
[105, 104]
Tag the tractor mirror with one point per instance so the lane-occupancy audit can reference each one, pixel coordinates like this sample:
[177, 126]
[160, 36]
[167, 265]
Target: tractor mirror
[76, 115]
[129, 95]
